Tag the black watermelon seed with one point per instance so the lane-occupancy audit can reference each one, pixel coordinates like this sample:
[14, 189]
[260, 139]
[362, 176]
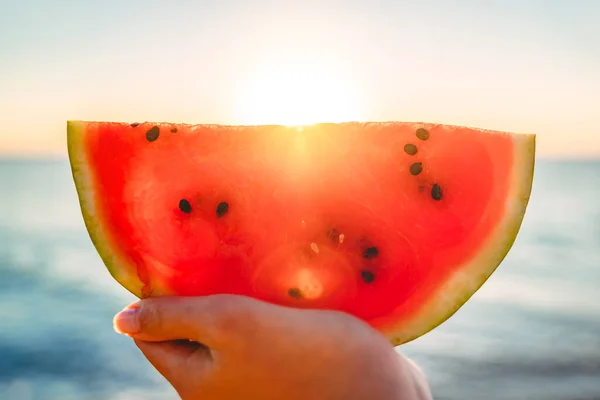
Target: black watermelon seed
[333, 234]
[436, 192]
[367, 276]
[416, 168]
[410, 149]
[370, 252]
[295, 293]
[422, 133]
[173, 130]
[222, 209]
[185, 206]
[135, 124]
[153, 133]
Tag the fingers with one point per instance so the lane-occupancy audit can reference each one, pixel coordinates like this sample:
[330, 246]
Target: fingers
[212, 320]
[174, 360]
[419, 380]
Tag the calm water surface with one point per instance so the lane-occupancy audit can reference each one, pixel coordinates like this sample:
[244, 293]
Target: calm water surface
[532, 332]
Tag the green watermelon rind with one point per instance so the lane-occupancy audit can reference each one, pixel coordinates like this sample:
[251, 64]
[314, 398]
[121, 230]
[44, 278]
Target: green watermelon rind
[471, 275]
[445, 302]
[117, 263]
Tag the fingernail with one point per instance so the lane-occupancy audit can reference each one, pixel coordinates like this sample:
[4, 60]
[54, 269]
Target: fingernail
[126, 322]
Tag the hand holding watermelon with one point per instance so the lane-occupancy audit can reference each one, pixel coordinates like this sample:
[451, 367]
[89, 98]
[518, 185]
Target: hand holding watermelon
[392, 225]
[256, 350]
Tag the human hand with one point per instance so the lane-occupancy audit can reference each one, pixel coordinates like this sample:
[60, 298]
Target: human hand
[235, 347]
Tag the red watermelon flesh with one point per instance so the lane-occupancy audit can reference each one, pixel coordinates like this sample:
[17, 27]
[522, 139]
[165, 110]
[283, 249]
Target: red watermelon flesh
[396, 223]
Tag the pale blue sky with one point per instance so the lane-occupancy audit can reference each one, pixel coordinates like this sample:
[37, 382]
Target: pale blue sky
[518, 65]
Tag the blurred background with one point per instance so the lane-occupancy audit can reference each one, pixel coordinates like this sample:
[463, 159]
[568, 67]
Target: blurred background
[533, 330]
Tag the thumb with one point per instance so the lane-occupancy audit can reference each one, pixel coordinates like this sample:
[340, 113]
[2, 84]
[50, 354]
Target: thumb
[215, 321]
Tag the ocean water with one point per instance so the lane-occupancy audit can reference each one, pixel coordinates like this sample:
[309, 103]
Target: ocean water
[532, 332]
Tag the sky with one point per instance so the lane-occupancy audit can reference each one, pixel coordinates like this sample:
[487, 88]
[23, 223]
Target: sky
[528, 66]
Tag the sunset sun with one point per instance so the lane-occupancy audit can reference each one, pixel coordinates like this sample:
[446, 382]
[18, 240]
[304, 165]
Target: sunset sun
[298, 93]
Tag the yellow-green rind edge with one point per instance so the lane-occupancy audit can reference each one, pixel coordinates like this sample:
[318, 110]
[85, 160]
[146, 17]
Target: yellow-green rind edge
[117, 264]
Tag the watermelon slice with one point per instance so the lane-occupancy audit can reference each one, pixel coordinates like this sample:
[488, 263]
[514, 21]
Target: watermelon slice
[395, 223]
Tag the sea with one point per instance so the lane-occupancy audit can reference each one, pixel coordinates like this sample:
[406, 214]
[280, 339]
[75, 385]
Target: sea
[532, 332]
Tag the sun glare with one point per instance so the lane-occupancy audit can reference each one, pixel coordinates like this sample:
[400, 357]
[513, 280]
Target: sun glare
[299, 94]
